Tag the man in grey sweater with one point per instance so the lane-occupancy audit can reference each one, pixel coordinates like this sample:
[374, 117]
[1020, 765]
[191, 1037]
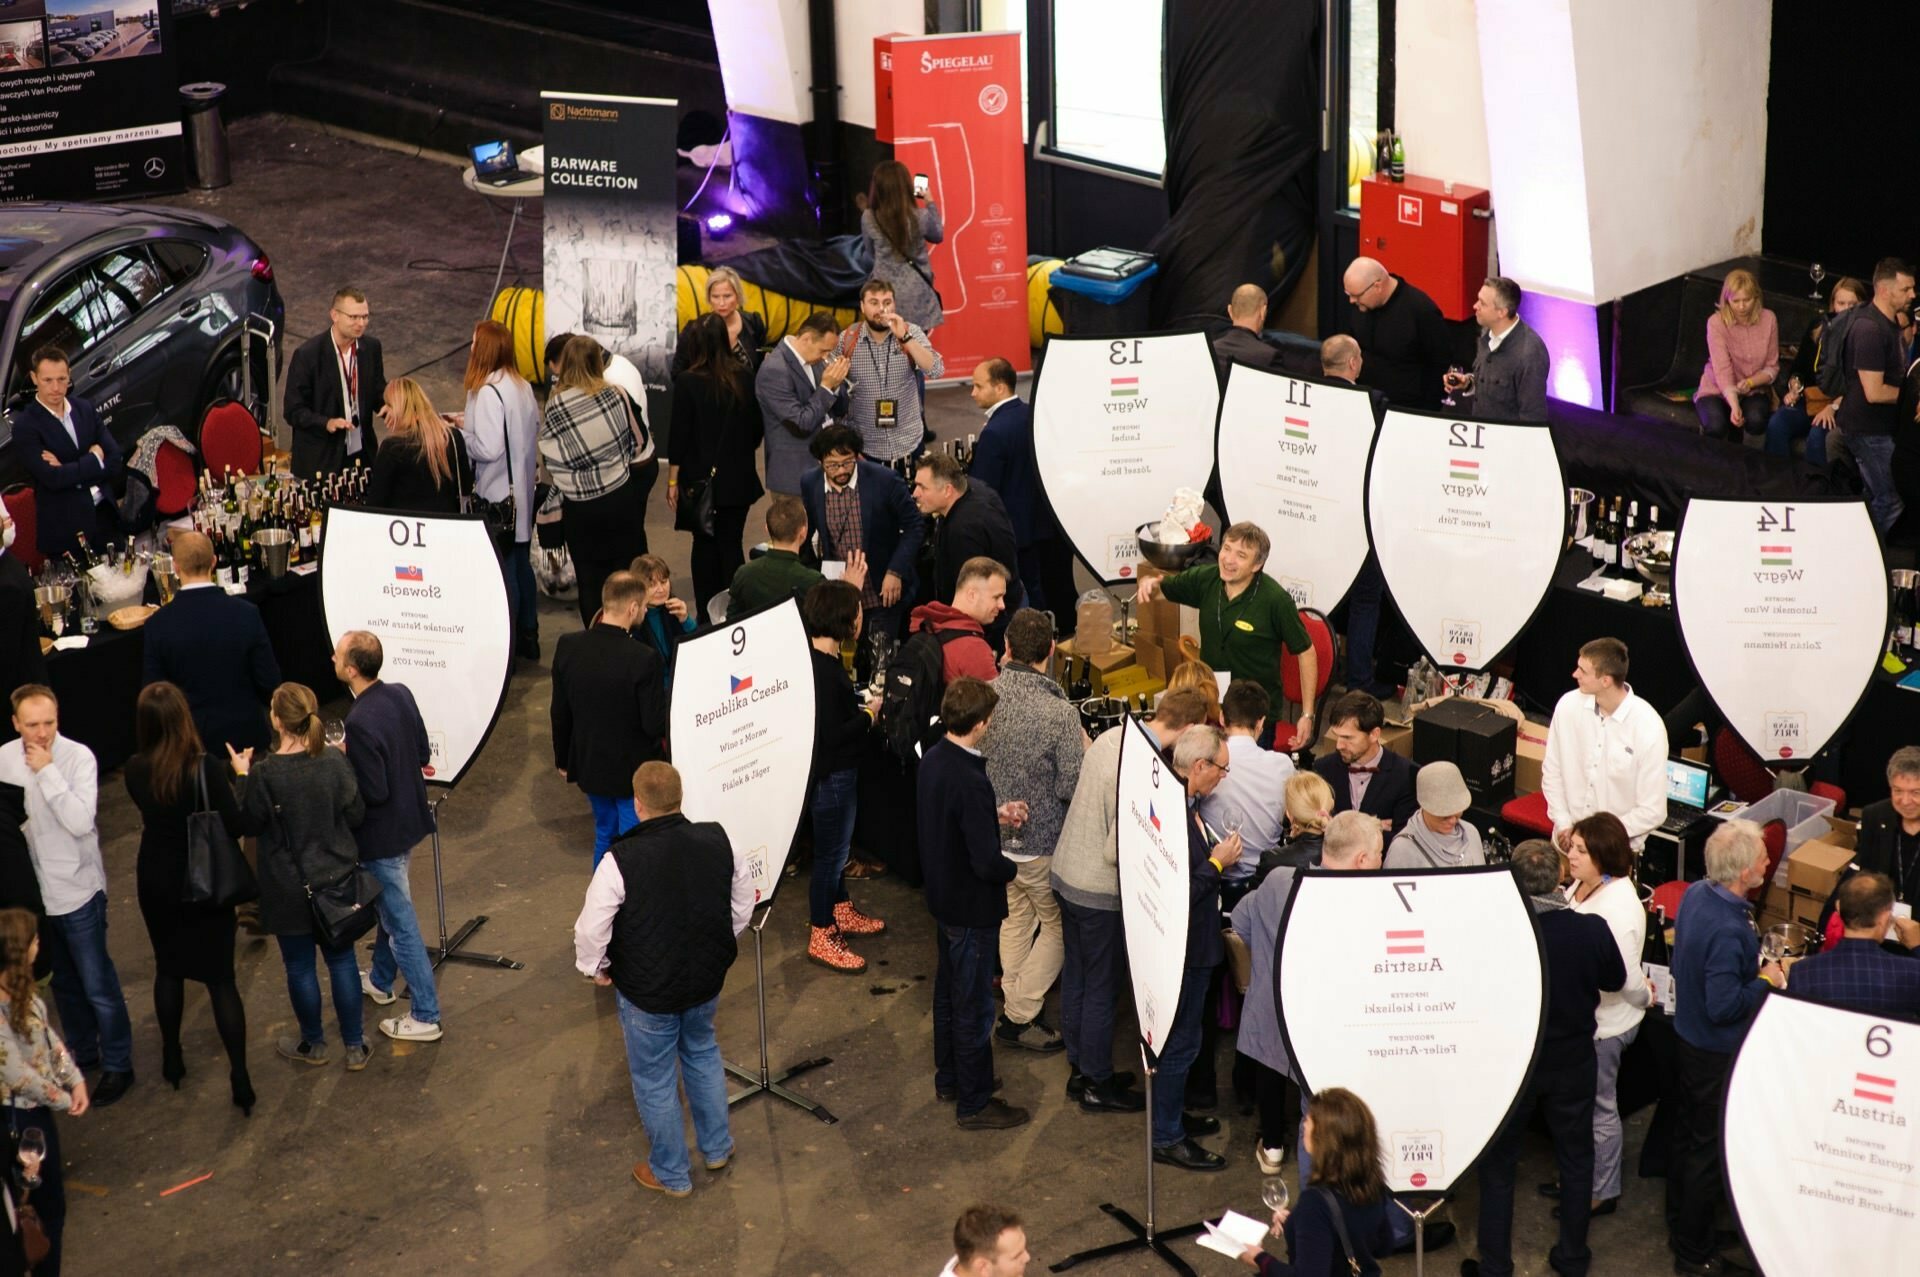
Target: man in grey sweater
[1033, 747]
[1086, 878]
[1510, 362]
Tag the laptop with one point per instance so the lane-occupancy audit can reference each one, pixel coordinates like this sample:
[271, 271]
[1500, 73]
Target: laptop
[1689, 790]
[495, 164]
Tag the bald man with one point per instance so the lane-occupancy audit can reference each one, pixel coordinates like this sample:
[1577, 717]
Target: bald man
[1242, 343]
[1405, 339]
[1340, 359]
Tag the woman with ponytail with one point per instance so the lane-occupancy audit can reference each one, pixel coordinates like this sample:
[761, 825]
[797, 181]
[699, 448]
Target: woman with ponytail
[305, 799]
[38, 1078]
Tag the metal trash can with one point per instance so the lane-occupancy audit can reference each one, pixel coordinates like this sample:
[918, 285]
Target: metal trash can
[207, 161]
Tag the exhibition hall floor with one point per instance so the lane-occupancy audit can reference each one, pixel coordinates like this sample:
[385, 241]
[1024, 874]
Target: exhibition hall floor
[507, 1147]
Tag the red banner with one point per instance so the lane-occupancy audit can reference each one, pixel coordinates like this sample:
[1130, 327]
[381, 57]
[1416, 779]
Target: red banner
[950, 105]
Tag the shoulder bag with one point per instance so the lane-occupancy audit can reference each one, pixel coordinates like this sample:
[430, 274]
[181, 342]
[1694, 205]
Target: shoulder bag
[693, 512]
[503, 525]
[217, 872]
[342, 908]
[1339, 1226]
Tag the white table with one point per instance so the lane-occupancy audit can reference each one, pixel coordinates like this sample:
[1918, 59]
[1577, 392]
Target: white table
[531, 160]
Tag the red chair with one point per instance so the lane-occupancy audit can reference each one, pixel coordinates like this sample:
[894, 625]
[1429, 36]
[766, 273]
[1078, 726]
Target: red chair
[173, 467]
[1321, 635]
[1528, 812]
[1666, 899]
[26, 536]
[1748, 778]
[230, 437]
[1774, 833]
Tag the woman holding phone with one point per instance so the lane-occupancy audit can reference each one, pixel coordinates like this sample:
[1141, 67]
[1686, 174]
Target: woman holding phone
[899, 223]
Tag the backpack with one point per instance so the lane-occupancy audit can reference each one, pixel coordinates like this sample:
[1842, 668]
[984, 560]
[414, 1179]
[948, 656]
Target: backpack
[1830, 356]
[910, 702]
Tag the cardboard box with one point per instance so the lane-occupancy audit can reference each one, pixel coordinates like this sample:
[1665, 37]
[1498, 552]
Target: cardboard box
[1476, 738]
[1156, 618]
[1152, 657]
[1119, 656]
[1130, 681]
[1814, 868]
[1776, 900]
[1841, 832]
[1805, 909]
[1529, 756]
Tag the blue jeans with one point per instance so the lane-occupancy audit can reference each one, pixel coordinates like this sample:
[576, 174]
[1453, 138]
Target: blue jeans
[1399, 1223]
[1363, 621]
[654, 1043]
[1791, 422]
[86, 988]
[835, 801]
[963, 1014]
[611, 818]
[523, 594]
[1093, 963]
[397, 945]
[1182, 1048]
[1874, 453]
[303, 988]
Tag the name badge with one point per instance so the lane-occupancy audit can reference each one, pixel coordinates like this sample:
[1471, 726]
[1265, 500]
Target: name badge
[1244, 625]
[886, 413]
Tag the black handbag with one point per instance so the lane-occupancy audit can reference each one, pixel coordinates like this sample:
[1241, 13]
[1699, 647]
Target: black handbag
[342, 909]
[693, 512]
[502, 524]
[217, 872]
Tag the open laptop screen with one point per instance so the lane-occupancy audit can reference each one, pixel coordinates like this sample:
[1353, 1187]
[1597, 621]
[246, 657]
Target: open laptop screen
[492, 157]
[1687, 783]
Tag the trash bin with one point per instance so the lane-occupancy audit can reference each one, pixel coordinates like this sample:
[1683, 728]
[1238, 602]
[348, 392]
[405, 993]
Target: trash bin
[206, 135]
[1100, 307]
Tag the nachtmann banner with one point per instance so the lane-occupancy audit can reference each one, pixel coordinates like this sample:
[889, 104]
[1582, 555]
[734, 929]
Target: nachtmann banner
[89, 100]
[430, 590]
[609, 247]
[1783, 610]
[1823, 1139]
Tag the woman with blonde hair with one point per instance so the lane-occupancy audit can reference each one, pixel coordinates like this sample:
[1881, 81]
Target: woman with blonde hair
[422, 465]
[899, 225]
[1805, 411]
[37, 1075]
[590, 439]
[502, 429]
[1309, 804]
[304, 797]
[1743, 358]
[1199, 676]
[746, 331]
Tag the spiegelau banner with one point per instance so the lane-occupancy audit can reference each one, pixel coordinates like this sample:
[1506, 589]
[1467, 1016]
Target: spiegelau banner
[1420, 991]
[1152, 849]
[1468, 519]
[1293, 459]
[1783, 610]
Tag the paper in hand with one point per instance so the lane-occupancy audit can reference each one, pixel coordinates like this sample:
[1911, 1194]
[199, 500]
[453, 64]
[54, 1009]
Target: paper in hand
[1234, 1234]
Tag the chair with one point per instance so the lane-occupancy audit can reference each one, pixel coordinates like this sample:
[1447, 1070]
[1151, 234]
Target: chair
[717, 607]
[173, 467]
[1774, 834]
[1748, 779]
[230, 438]
[1321, 635]
[1666, 899]
[1528, 812]
[22, 509]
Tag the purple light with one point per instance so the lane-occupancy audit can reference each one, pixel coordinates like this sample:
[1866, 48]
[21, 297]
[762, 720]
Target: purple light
[718, 224]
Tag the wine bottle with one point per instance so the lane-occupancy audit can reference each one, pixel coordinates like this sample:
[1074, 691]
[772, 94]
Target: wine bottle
[1399, 168]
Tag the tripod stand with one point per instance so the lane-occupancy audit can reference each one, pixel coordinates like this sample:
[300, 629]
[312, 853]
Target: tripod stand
[450, 949]
[766, 1082]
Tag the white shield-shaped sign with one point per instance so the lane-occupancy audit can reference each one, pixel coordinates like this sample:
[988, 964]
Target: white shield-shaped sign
[1293, 459]
[741, 723]
[1469, 519]
[1822, 1139]
[1422, 992]
[1783, 610]
[1152, 814]
[1119, 424]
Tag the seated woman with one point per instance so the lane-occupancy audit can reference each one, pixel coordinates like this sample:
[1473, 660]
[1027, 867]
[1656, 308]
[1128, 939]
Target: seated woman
[1805, 412]
[1340, 1136]
[1743, 358]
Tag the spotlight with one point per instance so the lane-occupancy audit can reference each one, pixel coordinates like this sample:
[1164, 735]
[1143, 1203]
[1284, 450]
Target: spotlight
[719, 225]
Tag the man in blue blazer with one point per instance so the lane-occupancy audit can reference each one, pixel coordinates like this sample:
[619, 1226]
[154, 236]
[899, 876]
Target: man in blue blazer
[889, 529]
[214, 648]
[1361, 766]
[1858, 973]
[71, 457]
[800, 390]
[1003, 460]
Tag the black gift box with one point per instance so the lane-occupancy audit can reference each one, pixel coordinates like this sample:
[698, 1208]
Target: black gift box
[1477, 739]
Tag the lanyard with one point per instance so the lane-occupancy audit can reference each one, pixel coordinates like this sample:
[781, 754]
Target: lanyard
[350, 379]
[884, 374]
[1907, 864]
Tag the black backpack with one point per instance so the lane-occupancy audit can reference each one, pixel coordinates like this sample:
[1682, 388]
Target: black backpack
[910, 702]
[1830, 356]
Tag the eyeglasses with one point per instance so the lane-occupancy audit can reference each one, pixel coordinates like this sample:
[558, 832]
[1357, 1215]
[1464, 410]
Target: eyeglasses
[1354, 297]
[840, 467]
[1216, 766]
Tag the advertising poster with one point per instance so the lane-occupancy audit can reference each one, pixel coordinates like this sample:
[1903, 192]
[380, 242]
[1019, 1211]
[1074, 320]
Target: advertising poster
[1293, 459]
[430, 589]
[1783, 610]
[1118, 425]
[951, 107]
[1422, 992]
[609, 246]
[741, 724]
[1468, 519]
[1152, 837]
[1822, 1139]
[89, 101]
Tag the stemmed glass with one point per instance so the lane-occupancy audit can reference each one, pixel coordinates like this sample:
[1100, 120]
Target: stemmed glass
[33, 1151]
[1816, 273]
[1453, 370]
[335, 732]
[1273, 1191]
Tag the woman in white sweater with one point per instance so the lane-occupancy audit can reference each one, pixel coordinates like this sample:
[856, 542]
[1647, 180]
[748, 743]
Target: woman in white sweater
[1601, 860]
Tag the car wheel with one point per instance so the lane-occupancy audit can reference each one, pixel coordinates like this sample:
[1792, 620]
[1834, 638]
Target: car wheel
[223, 381]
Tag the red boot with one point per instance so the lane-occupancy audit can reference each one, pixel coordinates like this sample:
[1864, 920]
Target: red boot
[826, 948]
[852, 922]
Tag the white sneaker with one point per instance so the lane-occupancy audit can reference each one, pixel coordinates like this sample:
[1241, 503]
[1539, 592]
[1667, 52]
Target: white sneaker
[408, 1029]
[1268, 1158]
[372, 990]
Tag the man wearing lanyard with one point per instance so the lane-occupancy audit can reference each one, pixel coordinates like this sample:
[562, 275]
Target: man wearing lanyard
[1889, 841]
[1245, 615]
[334, 386]
[891, 357]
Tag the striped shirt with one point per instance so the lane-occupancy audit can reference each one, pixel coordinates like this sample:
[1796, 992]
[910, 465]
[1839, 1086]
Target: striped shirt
[882, 371]
[845, 533]
[587, 442]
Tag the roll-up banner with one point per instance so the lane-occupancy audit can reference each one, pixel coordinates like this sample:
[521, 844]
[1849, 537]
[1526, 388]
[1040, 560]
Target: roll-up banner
[1822, 1139]
[741, 723]
[1118, 425]
[1422, 992]
[610, 247]
[1468, 519]
[429, 588]
[1783, 611]
[1293, 459]
[1152, 850]
[89, 100]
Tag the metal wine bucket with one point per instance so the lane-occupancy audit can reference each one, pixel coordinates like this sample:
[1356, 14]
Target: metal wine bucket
[1788, 942]
[276, 545]
[1579, 515]
[1098, 713]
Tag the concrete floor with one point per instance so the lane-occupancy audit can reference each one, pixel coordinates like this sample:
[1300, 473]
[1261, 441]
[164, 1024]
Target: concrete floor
[507, 1147]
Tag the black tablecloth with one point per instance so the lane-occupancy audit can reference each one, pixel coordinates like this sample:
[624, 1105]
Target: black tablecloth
[98, 684]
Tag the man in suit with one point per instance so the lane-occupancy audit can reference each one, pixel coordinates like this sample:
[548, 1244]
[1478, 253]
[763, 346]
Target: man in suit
[800, 390]
[1889, 840]
[214, 648]
[859, 506]
[1402, 331]
[1003, 460]
[1510, 362]
[1858, 973]
[334, 386]
[973, 524]
[609, 708]
[1241, 342]
[20, 659]
[71, 458]
[387, 745]
[1365, 775]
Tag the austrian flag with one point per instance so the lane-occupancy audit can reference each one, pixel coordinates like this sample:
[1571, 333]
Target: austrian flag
[1406, 942]
[1868, 1087]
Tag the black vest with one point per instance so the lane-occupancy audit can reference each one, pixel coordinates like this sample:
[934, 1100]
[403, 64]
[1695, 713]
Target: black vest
[673, 937]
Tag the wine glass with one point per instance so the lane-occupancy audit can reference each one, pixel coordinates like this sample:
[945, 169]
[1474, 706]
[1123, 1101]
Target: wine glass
[1273, 1191]
[1453, 370]
[33, 1150]
[1010, 839]
[1816, 273]
[335, 732]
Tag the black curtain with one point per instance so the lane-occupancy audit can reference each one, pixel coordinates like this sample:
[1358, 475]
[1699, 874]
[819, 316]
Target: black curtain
[1243, 141]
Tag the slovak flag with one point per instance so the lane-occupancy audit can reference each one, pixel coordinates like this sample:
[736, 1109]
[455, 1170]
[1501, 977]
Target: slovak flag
[741, 684]
[408, 574]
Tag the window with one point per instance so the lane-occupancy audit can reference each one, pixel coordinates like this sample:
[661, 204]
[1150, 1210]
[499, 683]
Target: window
[67, 317]
[180, 259]
[1363, 93]
[1108, 96]
[128, 283]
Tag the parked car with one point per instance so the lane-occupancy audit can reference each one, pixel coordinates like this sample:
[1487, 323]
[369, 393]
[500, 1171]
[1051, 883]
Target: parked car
[149, 304]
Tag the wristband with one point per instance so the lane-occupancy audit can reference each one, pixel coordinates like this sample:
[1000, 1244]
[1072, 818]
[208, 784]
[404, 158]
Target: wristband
[1217, 866]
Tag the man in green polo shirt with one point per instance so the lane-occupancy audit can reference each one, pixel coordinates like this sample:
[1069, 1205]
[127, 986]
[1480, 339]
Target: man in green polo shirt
[779, 574]
[1245, 615]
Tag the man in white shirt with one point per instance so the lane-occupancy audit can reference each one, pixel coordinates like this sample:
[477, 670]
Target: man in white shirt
[62, 783]
[988, 1242]
[1606, 750]
[1251, 798]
